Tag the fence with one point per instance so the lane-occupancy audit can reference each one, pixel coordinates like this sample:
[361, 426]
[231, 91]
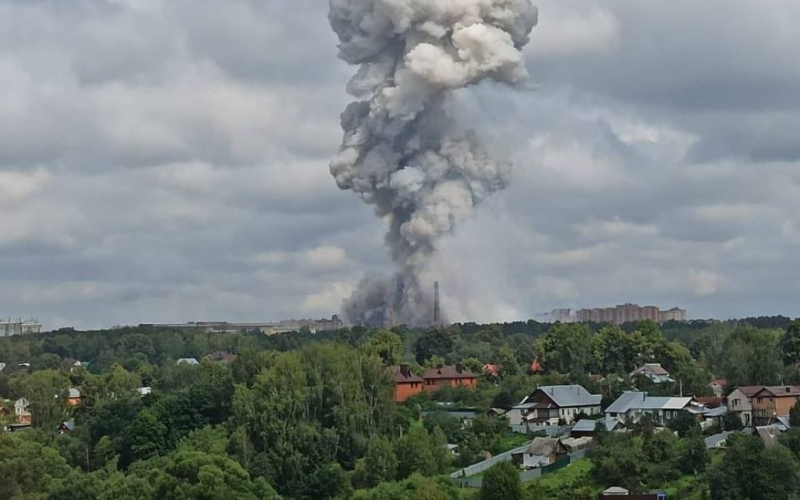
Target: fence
[548, 430]
[524, 476]
[487, 464]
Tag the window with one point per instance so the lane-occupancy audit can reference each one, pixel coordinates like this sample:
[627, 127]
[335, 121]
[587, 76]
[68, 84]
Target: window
[760, 400]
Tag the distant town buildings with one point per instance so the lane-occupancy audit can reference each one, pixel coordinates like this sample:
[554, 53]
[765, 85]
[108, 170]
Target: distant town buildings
[620, 314]
[291, 325]
[9, 328]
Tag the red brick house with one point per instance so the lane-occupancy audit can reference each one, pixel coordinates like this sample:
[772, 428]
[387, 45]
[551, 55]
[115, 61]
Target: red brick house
[406, 384]
[453, 376]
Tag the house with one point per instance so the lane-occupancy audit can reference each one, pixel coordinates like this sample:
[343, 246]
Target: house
[718, 386]
[536, 367]
[588, 428]
[772, 402]
[448, 376]
[144, 391]
[654, 372]
[21, 411]
[518, 413]
[717, 441]
[2, 366]
[492, 371]
[406, 384]
[65, 427]
[551, 404]
[496, 412]
[221, 357]
[542, 451]
[74, 397]
[633, 405]
[188, 361]
[740, 402]
[574, 444]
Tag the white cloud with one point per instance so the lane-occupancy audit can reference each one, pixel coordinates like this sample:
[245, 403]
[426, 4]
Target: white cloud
[703, 282]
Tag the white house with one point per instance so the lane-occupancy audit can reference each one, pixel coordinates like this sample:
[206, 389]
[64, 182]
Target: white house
[542, 451]
[633, 405]
[188, 361]
[21, 410]
[740, 402]
[550, 404]
[653, 371]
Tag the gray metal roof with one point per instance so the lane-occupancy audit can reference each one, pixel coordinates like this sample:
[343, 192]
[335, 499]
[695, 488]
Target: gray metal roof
[587, 425]
[571, 395]
[641, 401]
[717, 439]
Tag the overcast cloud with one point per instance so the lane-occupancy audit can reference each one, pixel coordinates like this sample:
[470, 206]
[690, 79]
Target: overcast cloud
[167, 160]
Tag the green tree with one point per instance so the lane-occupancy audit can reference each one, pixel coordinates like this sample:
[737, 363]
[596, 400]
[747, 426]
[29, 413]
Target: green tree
[694, 456]
[790, 343]
[566, 348]
[614, 350]
[501, 482]
[794, 415]
[144, 438]
[415, 454]
[28, 469]
[436, 342]
[47, 392]
[386, 345]
[732, 422]
[748, 471]
[380, 462]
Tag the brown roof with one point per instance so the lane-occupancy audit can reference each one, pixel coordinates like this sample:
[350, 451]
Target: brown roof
[749, 390]
[656, 368]
[780, 391]
[447, 372]
[400, 378]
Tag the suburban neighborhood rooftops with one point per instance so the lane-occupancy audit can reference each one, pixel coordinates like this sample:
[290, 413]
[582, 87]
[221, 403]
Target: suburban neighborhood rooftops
[448, 372]
[570, 395]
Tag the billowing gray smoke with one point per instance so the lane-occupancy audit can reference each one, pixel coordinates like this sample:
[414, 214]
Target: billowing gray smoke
[400, 152]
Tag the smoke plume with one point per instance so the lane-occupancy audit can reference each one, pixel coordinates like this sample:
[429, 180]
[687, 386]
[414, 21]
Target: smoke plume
[401, 153]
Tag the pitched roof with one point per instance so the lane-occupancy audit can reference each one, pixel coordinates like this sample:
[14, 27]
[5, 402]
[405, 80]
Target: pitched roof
[2, 366]
[769, 435]
[586, 425]
[74, 393]
[399, 377]
[654, 368]
[749, 390]
[641, 401]
[544, 446]
[69, 425]
[188, 361]
[781, 391]
[447, 372]
[570, 395]
[720, 381]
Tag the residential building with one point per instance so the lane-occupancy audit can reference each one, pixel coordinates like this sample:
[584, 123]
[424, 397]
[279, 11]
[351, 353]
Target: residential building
[74, 397]
[221, 357]
[740, 402]
[552, 404]
[452, 376]
[187, 361]
[674, 314]
[588, 428]
[406, 384]
[144, 391]
[542, 451]
[269, 328]
[772, 402]
[10, 328]
[65, 427]
[632, 405]
[718, 386]
[2, 366]
[21, 411]
[653, 371]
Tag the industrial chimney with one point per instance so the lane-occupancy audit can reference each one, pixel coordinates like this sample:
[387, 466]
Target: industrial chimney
[437, 312]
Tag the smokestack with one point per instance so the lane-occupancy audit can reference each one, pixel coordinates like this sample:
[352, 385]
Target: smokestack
[437, 312]
[401, 153]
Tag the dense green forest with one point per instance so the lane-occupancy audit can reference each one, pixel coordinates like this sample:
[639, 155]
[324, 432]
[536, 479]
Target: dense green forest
[303, 416]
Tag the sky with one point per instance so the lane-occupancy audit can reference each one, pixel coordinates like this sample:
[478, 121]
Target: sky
[167, 161]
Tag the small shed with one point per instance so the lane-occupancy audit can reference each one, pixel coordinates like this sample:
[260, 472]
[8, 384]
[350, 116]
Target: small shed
[542, 451]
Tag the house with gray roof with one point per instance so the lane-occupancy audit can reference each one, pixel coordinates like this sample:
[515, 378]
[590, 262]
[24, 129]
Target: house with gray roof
[653, 371]
[633, 405]
[550, 404]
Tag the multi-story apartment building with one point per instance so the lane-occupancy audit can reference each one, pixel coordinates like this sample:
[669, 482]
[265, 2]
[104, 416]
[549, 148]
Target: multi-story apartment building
[9, 328]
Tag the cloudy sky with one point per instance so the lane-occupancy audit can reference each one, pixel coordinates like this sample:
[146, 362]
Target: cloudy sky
[167, 160]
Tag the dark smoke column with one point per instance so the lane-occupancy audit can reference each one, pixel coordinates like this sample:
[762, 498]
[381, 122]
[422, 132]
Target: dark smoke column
[400, 152]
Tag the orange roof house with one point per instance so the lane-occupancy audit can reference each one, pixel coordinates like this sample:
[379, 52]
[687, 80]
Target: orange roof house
[453, 376]
[536, 367]
[406, 384]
